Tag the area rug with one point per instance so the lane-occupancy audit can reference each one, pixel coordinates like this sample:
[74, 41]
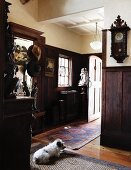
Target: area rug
[74, 135]
[73, 161]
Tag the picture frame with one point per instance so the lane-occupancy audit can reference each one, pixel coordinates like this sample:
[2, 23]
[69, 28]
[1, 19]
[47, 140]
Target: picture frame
[49, 67]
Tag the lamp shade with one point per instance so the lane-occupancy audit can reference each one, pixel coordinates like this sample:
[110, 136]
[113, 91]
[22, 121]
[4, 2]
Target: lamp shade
[96, 45]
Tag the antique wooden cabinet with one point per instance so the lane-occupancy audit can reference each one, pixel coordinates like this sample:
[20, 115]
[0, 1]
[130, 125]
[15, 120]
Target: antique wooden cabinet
[17, 133]
[116, 107]
[15, 112]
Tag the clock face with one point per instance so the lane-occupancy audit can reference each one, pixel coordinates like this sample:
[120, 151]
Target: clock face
[119, 36]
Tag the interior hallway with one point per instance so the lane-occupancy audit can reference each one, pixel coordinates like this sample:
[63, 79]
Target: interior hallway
[94, 149]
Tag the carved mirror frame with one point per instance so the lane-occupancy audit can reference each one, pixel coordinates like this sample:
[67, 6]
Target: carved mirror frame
[35, 36]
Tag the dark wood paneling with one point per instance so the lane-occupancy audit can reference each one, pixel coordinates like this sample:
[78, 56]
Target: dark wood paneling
[25, 32]
[113, 100]
[103, 99]
[126, 116]
[52, 90]
[104, 47]
[116, 117]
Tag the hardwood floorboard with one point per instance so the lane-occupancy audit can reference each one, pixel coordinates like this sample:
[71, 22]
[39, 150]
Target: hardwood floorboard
[94, 149]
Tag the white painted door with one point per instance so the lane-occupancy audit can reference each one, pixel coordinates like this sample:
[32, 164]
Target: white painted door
[95, 88]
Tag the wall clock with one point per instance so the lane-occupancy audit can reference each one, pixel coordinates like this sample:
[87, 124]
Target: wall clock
[119, 30]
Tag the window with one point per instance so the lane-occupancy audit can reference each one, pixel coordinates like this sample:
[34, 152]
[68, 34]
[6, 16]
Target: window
[64, 71]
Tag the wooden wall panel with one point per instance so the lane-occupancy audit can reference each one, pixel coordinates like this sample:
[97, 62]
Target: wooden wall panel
[104, 47]
[113, 100]
[126, 116]
[116, 110]
[52, 90]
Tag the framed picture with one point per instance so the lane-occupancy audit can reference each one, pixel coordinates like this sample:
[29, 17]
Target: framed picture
[49, 67]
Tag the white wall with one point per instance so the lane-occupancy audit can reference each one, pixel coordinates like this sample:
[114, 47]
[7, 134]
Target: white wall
[112, 9]
[60, 37]
[50, 9]
[55, 35]
[86, 48]
[24, 14]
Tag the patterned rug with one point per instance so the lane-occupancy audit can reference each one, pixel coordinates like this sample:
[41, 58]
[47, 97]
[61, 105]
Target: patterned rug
[74, 135]
[72, 161]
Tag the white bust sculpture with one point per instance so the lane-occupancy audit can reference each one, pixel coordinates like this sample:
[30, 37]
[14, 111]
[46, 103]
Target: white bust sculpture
[84, 77]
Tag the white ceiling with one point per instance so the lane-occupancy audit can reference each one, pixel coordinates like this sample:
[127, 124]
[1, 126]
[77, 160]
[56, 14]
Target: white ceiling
[84, 23]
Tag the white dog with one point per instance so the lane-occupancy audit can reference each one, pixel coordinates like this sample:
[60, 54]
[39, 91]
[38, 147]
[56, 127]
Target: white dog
[44, 154]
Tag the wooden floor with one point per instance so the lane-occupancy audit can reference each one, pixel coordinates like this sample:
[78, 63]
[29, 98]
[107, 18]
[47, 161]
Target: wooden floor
[94, 149]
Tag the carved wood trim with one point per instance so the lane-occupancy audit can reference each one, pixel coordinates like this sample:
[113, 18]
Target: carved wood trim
[25, 32]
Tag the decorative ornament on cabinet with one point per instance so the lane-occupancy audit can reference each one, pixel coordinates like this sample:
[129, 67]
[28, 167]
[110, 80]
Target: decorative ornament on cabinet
[119, 32]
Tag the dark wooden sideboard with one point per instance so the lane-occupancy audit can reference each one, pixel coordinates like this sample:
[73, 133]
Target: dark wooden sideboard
[17, 133]
[70, 105]
[116, 107]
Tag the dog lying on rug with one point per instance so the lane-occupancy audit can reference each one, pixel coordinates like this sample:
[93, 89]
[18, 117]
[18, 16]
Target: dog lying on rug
[54, 149]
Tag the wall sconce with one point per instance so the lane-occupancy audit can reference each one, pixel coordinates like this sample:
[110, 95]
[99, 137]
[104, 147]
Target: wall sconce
[96, 44]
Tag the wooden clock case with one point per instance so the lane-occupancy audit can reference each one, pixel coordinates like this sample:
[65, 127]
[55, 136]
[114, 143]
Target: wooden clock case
[119, 31]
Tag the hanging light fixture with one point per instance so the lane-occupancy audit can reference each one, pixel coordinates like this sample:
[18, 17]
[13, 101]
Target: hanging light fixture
[96, 44]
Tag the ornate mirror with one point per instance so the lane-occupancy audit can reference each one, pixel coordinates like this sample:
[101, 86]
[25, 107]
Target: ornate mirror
[21, 59]
[25, 58]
